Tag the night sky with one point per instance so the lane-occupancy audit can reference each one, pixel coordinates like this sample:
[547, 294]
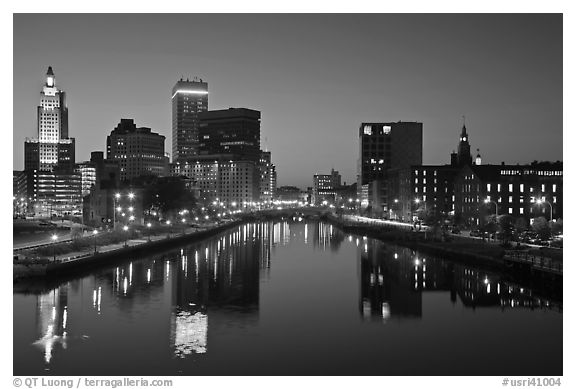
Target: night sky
[314, 77]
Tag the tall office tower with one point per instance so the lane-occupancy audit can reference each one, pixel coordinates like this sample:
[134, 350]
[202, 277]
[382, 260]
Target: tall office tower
[267, 177]
[189, 98]
[52, 147]
[385, 146]
[230, 131]
[138, 150]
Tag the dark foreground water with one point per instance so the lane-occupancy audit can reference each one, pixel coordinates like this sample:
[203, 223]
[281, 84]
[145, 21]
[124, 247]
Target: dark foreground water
[287, 298]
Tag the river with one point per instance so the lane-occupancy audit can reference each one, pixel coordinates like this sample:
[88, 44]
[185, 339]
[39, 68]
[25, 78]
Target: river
[287, 298]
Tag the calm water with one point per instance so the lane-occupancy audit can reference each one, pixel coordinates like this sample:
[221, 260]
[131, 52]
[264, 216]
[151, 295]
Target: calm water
[287, 298]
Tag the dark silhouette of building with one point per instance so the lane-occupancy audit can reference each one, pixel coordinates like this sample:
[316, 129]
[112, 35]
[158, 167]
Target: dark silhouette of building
[138, 150]
[230, 131]
[385, 146]
[189, 98]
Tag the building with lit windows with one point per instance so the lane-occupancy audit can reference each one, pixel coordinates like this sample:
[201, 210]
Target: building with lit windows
[87, 171]
[52, 147]
[189, 98]
[267, 172]
[52, 183]
[385, 146]
[325, 186]
[224, 178]
[521, 191]
[428, 189]
[138, 150]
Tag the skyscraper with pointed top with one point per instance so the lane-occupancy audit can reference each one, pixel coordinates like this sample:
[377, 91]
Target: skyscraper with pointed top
[53, 183]
[52, 147]
[189, 98]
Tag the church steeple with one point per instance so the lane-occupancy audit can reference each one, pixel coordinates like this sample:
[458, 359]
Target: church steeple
[464, 155]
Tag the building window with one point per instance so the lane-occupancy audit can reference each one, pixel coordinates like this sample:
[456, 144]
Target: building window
[509, 199]
[498, 188]
[554, 188]
[510, 210]
[510, 187]
[543, 188]
[521, 211]
[522, 188]
[488, 187]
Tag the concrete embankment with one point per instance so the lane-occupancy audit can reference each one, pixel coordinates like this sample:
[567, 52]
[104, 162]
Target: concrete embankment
[90, 261]
[485, 255]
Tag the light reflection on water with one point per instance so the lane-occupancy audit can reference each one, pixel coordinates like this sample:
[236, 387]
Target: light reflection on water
[202, 302]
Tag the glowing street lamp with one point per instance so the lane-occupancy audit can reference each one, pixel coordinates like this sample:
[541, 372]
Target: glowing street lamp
[125, 228]
[114, 199]
[149, 225]
[54, 239]
[487, 201]
[541, 201]
[94, 233]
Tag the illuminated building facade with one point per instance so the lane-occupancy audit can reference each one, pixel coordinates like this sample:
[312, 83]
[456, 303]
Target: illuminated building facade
[189, 98]
[138, 150]
[516, 189]
[267, 172]
[224, 178]
[325, 186]
[52, 147]
[50, 157]
[385, 146]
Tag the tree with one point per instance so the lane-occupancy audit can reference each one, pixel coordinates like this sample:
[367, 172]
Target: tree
[520, 224]
[506, 224]
[556, 227]
[541, 227]
[491, 225]
[169, 194]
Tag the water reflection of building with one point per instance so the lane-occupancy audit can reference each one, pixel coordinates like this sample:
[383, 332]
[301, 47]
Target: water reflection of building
[52, 317]
[221, 274]
[393, 280]
[386, 283]
[325, 236]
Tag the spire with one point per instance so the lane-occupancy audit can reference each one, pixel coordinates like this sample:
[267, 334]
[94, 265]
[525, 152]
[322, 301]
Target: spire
[463, 125]
[50, 77]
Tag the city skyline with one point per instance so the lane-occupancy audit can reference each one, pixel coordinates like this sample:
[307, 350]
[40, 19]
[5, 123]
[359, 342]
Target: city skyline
[314, 85]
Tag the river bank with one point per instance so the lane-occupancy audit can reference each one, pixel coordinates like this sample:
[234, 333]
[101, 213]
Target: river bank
[73, 262]
[518, 265]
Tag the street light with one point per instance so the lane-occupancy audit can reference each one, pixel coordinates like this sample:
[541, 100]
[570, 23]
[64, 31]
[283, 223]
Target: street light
[116, 197]
[125, 228]
[486, 201]
[54, 239]
[540, 201]
[149, 225]
[95, 232]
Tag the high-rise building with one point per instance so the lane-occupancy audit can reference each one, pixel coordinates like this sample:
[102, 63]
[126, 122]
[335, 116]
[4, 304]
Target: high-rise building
[53, 183]
[52, 146]
[138, 150]
[189, 98]
[233, 130]
[385, 146]
[267, 177]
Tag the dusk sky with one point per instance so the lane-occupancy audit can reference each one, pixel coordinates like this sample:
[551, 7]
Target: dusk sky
[315, 78]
